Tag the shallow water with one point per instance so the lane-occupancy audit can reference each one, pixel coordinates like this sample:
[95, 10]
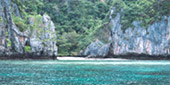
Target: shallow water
[80, 72]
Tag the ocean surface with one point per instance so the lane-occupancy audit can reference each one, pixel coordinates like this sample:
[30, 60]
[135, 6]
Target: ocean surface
[84, 72]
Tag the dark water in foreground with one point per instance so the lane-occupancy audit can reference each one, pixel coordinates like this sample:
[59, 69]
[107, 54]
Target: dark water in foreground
[84, 72]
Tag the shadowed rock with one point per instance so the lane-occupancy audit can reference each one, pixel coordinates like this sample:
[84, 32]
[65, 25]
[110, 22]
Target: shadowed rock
[96, 49]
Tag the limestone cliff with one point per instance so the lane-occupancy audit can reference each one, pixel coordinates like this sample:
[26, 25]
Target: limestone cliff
[155, 40]
[40, 36]
[43, 38]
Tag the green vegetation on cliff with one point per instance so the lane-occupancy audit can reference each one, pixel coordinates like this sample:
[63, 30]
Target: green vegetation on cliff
[78, 21]
[146, 11]
[75, 20]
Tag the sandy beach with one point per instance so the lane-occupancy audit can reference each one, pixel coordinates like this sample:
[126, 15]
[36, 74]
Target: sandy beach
[83, 58]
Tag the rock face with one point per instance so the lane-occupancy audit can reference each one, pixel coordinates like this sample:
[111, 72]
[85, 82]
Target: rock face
[97, 49]
[41, 37]
[153, 41]
[9, 30]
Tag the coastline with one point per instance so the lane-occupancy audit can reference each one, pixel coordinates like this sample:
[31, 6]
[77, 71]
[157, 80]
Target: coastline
[57, 58]
[131, 56]
[85, 58]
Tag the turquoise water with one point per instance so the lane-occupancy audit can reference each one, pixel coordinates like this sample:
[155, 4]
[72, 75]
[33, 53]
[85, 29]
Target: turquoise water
[84, 72]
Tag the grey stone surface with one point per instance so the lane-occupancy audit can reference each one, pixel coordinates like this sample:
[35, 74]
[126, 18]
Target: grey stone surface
[97, 49]
[153, 41]
[16, 45]
[41, 43]
[44, 43]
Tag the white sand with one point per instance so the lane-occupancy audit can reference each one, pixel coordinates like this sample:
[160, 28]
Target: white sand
[81, 58]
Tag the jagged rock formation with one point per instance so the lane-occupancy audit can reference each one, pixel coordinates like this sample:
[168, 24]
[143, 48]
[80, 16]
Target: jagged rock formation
[97, 49]
[43, 39]
[9, 30]
[12, 41]
[155, 40]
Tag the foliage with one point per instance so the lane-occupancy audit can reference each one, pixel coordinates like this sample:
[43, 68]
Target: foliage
[146, 11]
[75, 22]
[8, 42]
[67, 42]
[36, 21]
[1, 20]
[20, 23]
[27, 49]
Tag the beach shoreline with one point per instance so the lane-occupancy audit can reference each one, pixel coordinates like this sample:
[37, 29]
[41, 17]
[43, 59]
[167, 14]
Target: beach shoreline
[85, 58]
[119, 57]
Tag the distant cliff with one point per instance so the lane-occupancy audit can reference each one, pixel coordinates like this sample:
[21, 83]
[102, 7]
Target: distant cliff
[152, 41]
[39, 38]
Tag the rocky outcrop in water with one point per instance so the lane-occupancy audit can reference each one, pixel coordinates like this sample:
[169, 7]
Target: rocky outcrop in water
[154, 41]
[41, 37]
